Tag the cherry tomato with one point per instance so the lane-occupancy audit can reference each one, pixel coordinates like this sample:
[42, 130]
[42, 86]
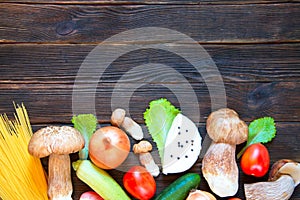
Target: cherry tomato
[256, 160]
[90, 195]
[139, 183]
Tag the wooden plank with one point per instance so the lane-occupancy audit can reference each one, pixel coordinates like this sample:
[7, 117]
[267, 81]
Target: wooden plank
[53, 103]
[92, 24]
[52, 64]
[147, 2]
[284, 145]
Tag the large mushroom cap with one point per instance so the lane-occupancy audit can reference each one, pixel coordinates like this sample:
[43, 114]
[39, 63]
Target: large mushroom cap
[55, 139]
[224, 125]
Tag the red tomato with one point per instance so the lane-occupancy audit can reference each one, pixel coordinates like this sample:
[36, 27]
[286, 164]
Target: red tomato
[234, 198]
[90, 195]
[256, 160]
[139, 183]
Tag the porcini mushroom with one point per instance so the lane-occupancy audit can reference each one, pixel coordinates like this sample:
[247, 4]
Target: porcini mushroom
[142, 147]
[147, 161]
[57, 143]
[283, 178]
[219, 165]
[119, 119]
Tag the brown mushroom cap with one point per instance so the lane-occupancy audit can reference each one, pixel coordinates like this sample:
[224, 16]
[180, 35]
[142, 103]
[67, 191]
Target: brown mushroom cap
[224, 125]
[55, 139]
[118, 117]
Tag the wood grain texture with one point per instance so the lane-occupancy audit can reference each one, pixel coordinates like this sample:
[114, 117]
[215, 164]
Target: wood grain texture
[92, 24]
[48, 64]
[53, 102]
[255, 45]
[149, 2]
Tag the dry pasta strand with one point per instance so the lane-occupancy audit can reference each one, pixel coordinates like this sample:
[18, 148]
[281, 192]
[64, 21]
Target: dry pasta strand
[21, 175]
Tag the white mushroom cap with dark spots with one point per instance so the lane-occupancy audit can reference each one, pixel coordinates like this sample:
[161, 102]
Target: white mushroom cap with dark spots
[55, 139]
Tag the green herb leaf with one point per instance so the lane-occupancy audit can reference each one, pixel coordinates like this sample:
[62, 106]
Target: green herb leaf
[158, 119]
[86, 124]
[261, 130]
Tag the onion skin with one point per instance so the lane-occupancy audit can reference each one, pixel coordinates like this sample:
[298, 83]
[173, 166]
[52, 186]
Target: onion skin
[200, 195]
[109, 147]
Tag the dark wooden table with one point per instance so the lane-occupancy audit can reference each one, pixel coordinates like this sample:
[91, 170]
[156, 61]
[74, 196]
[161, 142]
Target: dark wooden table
[254, 44]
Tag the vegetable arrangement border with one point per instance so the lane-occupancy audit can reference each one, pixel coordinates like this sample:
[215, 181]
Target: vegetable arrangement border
[179, 145]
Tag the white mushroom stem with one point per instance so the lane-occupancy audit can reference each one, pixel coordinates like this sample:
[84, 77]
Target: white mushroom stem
[126, 123]
[146, 160]
[133, 128]
[281, 189]
[220, 169]
[59, 177]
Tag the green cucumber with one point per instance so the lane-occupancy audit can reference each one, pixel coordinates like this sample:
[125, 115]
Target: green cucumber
[180, 188]
[99, 180]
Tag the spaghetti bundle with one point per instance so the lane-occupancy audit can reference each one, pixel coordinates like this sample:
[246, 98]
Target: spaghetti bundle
[21, 175]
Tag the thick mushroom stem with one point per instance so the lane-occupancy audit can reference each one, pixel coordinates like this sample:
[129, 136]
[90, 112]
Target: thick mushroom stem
[59, 177]
[219, 166]
[281, 189]
[220, 169]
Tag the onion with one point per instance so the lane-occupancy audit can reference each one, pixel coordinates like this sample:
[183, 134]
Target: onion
[109, 147]
[200, 195]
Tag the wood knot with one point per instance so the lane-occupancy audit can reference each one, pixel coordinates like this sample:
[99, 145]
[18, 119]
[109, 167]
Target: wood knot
[65, 28]
[262, 96]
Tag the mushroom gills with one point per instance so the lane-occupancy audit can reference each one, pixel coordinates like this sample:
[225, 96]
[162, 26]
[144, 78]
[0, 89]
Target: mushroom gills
[281, 189]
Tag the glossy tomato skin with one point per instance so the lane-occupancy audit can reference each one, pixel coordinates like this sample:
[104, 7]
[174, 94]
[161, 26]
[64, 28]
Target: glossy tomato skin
[90, 195]
[256, 160]
[139, 183]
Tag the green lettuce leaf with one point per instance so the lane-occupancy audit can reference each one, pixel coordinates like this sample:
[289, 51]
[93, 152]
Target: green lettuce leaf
[261, 130]
[86, 124]
[158, 119]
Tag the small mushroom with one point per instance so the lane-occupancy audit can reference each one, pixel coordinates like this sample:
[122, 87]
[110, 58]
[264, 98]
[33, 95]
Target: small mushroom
[147, 160]
[219, 165]
[142, 147]
[119, 119]
[283, 178]
[57, 143]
